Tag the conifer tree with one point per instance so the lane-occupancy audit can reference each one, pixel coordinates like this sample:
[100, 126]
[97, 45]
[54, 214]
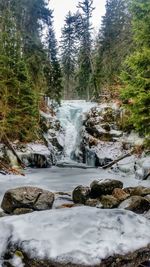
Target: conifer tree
[114, 43]
[18, 109]
[136, 73]
[53, 69]
[84, 58]
[69, 53]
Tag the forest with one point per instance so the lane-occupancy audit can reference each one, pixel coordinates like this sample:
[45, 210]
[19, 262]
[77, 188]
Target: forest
[115, 64]
[74, 134]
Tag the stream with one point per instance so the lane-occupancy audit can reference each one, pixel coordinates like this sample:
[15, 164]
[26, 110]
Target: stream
[76, 234]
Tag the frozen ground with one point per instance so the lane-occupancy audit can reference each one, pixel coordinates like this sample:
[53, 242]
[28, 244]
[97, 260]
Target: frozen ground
[64, 179]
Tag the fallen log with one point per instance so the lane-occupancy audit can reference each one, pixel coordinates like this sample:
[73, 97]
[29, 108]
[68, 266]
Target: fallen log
[146, 176]
[117, 160]
[6, 141]
[5, 169]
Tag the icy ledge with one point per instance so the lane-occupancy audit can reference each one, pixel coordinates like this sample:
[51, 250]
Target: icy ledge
[80, 235]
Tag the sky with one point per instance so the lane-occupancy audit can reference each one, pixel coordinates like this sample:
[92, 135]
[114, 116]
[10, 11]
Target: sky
[62, 7]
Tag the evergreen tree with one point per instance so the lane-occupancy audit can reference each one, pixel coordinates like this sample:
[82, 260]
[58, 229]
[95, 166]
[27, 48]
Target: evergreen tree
[136, 73]
[84, 59]
[69, 53]
[114, 43]
[18, 109]
[53, 69]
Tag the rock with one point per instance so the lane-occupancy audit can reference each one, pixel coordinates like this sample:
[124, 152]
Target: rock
[120, 194]
[136, 204]
[39, 161]
[20, 211]
[137, 191]
[93, 203]
[30, 198]
[104, 187]
[147, 197]
[3, 214]
[100, 162]
[81, 194]
[99, 132]
[109, 202]
[132, 259]
[62, 201]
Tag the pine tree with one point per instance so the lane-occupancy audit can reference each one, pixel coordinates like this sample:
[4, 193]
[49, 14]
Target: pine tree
[53, 69]
[114, 43]
[84, 59]
[69, 53]
[136, 73]
[18, 109]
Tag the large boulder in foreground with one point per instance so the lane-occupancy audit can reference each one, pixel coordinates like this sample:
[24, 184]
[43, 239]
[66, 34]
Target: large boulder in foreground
[104, 187]
[26, 199]
[78, 237]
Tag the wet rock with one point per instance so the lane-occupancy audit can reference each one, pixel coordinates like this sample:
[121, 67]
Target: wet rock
[136, 204]
[120, 194]
[109, 202]
[137, 191]
[104, 187]
[81, 194]
[30, 198]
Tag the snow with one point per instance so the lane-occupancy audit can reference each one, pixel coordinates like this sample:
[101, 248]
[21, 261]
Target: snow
[38, 148]
[82, 235]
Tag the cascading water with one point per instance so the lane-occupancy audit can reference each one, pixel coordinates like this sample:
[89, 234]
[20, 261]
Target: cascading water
[71, 115]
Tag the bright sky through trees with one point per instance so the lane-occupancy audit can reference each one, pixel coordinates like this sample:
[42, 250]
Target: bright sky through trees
[61, 8]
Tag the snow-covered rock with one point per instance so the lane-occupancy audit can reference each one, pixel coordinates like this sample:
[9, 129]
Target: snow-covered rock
[82, 236]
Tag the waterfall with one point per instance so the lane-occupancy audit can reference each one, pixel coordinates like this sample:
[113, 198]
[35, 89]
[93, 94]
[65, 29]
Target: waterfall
[71, 115]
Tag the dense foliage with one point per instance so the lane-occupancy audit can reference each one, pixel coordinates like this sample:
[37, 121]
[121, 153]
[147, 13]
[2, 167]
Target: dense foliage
[136, 72]
[87, 67]
[24, 64]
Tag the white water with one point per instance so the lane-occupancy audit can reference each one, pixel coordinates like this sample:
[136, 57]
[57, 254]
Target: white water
[71, 114]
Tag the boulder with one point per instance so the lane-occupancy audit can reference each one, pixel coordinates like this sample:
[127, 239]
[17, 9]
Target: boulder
[136, 204]
[104, 187]
[100, 133]
[26, 199]
[120, 194]
[93, 203]
[109, 202]
[81, 194]
[148, 197]
[139, 258]
[20, 211]
[137, 191]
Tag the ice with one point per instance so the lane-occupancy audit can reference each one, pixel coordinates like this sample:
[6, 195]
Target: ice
[64, 179]
[82, 235]
[70, 114]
